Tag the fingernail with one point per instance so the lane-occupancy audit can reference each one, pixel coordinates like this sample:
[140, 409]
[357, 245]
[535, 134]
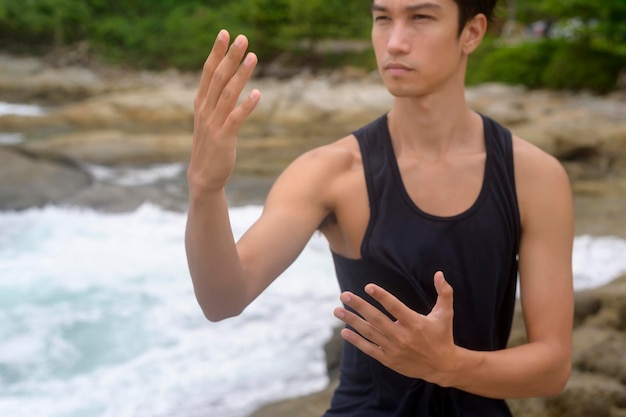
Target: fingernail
[249, 59]
[369, 289]
[346, 298]
[239, 40]
[221, 35]
[340, 314]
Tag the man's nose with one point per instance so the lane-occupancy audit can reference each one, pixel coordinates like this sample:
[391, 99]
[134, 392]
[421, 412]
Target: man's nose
[398, 40]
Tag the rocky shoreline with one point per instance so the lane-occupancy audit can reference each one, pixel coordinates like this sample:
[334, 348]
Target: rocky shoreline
[112, 120]
[119, 119]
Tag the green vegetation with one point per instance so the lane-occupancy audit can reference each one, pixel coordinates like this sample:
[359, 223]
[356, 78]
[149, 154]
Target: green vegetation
[601, 21]
[586, 51]
[520, 64]
[548, 63]
[178, 33]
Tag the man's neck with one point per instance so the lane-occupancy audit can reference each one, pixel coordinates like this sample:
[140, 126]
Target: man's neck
[433, 125]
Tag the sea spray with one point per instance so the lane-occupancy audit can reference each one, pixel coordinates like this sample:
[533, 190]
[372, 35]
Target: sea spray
[98, 318]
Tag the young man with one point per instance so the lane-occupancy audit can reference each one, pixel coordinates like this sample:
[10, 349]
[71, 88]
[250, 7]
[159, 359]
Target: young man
[430, 198]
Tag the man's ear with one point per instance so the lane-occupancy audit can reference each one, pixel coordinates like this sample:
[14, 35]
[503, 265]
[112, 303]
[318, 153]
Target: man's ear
[473, 33]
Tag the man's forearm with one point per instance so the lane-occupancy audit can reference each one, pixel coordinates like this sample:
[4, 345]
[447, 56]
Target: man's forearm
[212, 257]
[531, 370]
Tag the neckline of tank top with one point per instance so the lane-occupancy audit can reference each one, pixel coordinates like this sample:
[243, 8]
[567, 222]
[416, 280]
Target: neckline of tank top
[488, 132]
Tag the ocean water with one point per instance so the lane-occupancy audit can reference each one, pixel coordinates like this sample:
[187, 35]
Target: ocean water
[98, 319]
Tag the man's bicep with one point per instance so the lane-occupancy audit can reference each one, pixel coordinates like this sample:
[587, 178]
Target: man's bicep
[546, 258]
[293, 211]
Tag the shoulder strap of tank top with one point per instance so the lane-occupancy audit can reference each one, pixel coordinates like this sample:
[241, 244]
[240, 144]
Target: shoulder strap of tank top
[373, 154]
[500, 140]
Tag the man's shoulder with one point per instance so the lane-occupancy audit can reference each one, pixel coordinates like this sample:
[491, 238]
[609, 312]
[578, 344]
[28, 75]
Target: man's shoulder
[542, 183]
[331, 158]
[315, 171]
[530, 160]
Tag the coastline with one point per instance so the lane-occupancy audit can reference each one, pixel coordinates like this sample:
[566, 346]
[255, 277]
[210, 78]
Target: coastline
[125, 121]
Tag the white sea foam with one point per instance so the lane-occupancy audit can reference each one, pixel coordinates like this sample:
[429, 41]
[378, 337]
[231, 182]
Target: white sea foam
[11, 138]
[98, 319]
[20, 109]
[27, 110]
[132, 177]
[597, 261]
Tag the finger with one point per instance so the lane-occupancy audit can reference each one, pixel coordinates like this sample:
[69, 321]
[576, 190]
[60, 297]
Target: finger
[225, 70]
[368, 311]
[364, 329]
[210, 65]
[390, 303]
[231, 92]
[240, 114]
[443, 308]
[364, 345]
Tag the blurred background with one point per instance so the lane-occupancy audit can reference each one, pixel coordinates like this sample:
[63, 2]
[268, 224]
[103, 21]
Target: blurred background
[577, 44]
[97, 313]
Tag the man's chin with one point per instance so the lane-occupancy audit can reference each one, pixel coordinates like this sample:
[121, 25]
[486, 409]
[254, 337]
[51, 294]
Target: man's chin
[399, 92]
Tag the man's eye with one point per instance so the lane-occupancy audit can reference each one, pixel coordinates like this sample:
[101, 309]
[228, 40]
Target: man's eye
[422, 17]
[381, 18]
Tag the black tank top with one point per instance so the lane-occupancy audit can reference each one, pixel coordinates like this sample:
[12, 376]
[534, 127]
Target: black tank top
[402, 249]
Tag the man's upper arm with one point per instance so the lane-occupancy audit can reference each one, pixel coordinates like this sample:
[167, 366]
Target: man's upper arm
[295, 207]
[545, 259]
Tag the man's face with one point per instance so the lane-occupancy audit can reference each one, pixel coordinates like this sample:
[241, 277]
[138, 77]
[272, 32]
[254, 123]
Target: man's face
[416, 44]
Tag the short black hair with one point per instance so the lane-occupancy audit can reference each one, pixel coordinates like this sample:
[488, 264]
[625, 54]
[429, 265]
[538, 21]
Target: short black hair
[468, 9]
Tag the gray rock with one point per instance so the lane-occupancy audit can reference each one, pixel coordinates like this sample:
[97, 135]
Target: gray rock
[529, 407]
[28, 80]
[29, 182]
[586, 303]
[313, 405]
[607, 358]
[612, 313]
[114, 147]
[588, 395]
[509, 112]
[333, 349]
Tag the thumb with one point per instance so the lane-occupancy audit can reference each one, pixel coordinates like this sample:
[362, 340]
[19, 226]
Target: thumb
[443, 308]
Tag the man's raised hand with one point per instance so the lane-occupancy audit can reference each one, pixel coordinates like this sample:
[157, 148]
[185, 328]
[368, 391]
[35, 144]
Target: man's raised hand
[217, 114]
